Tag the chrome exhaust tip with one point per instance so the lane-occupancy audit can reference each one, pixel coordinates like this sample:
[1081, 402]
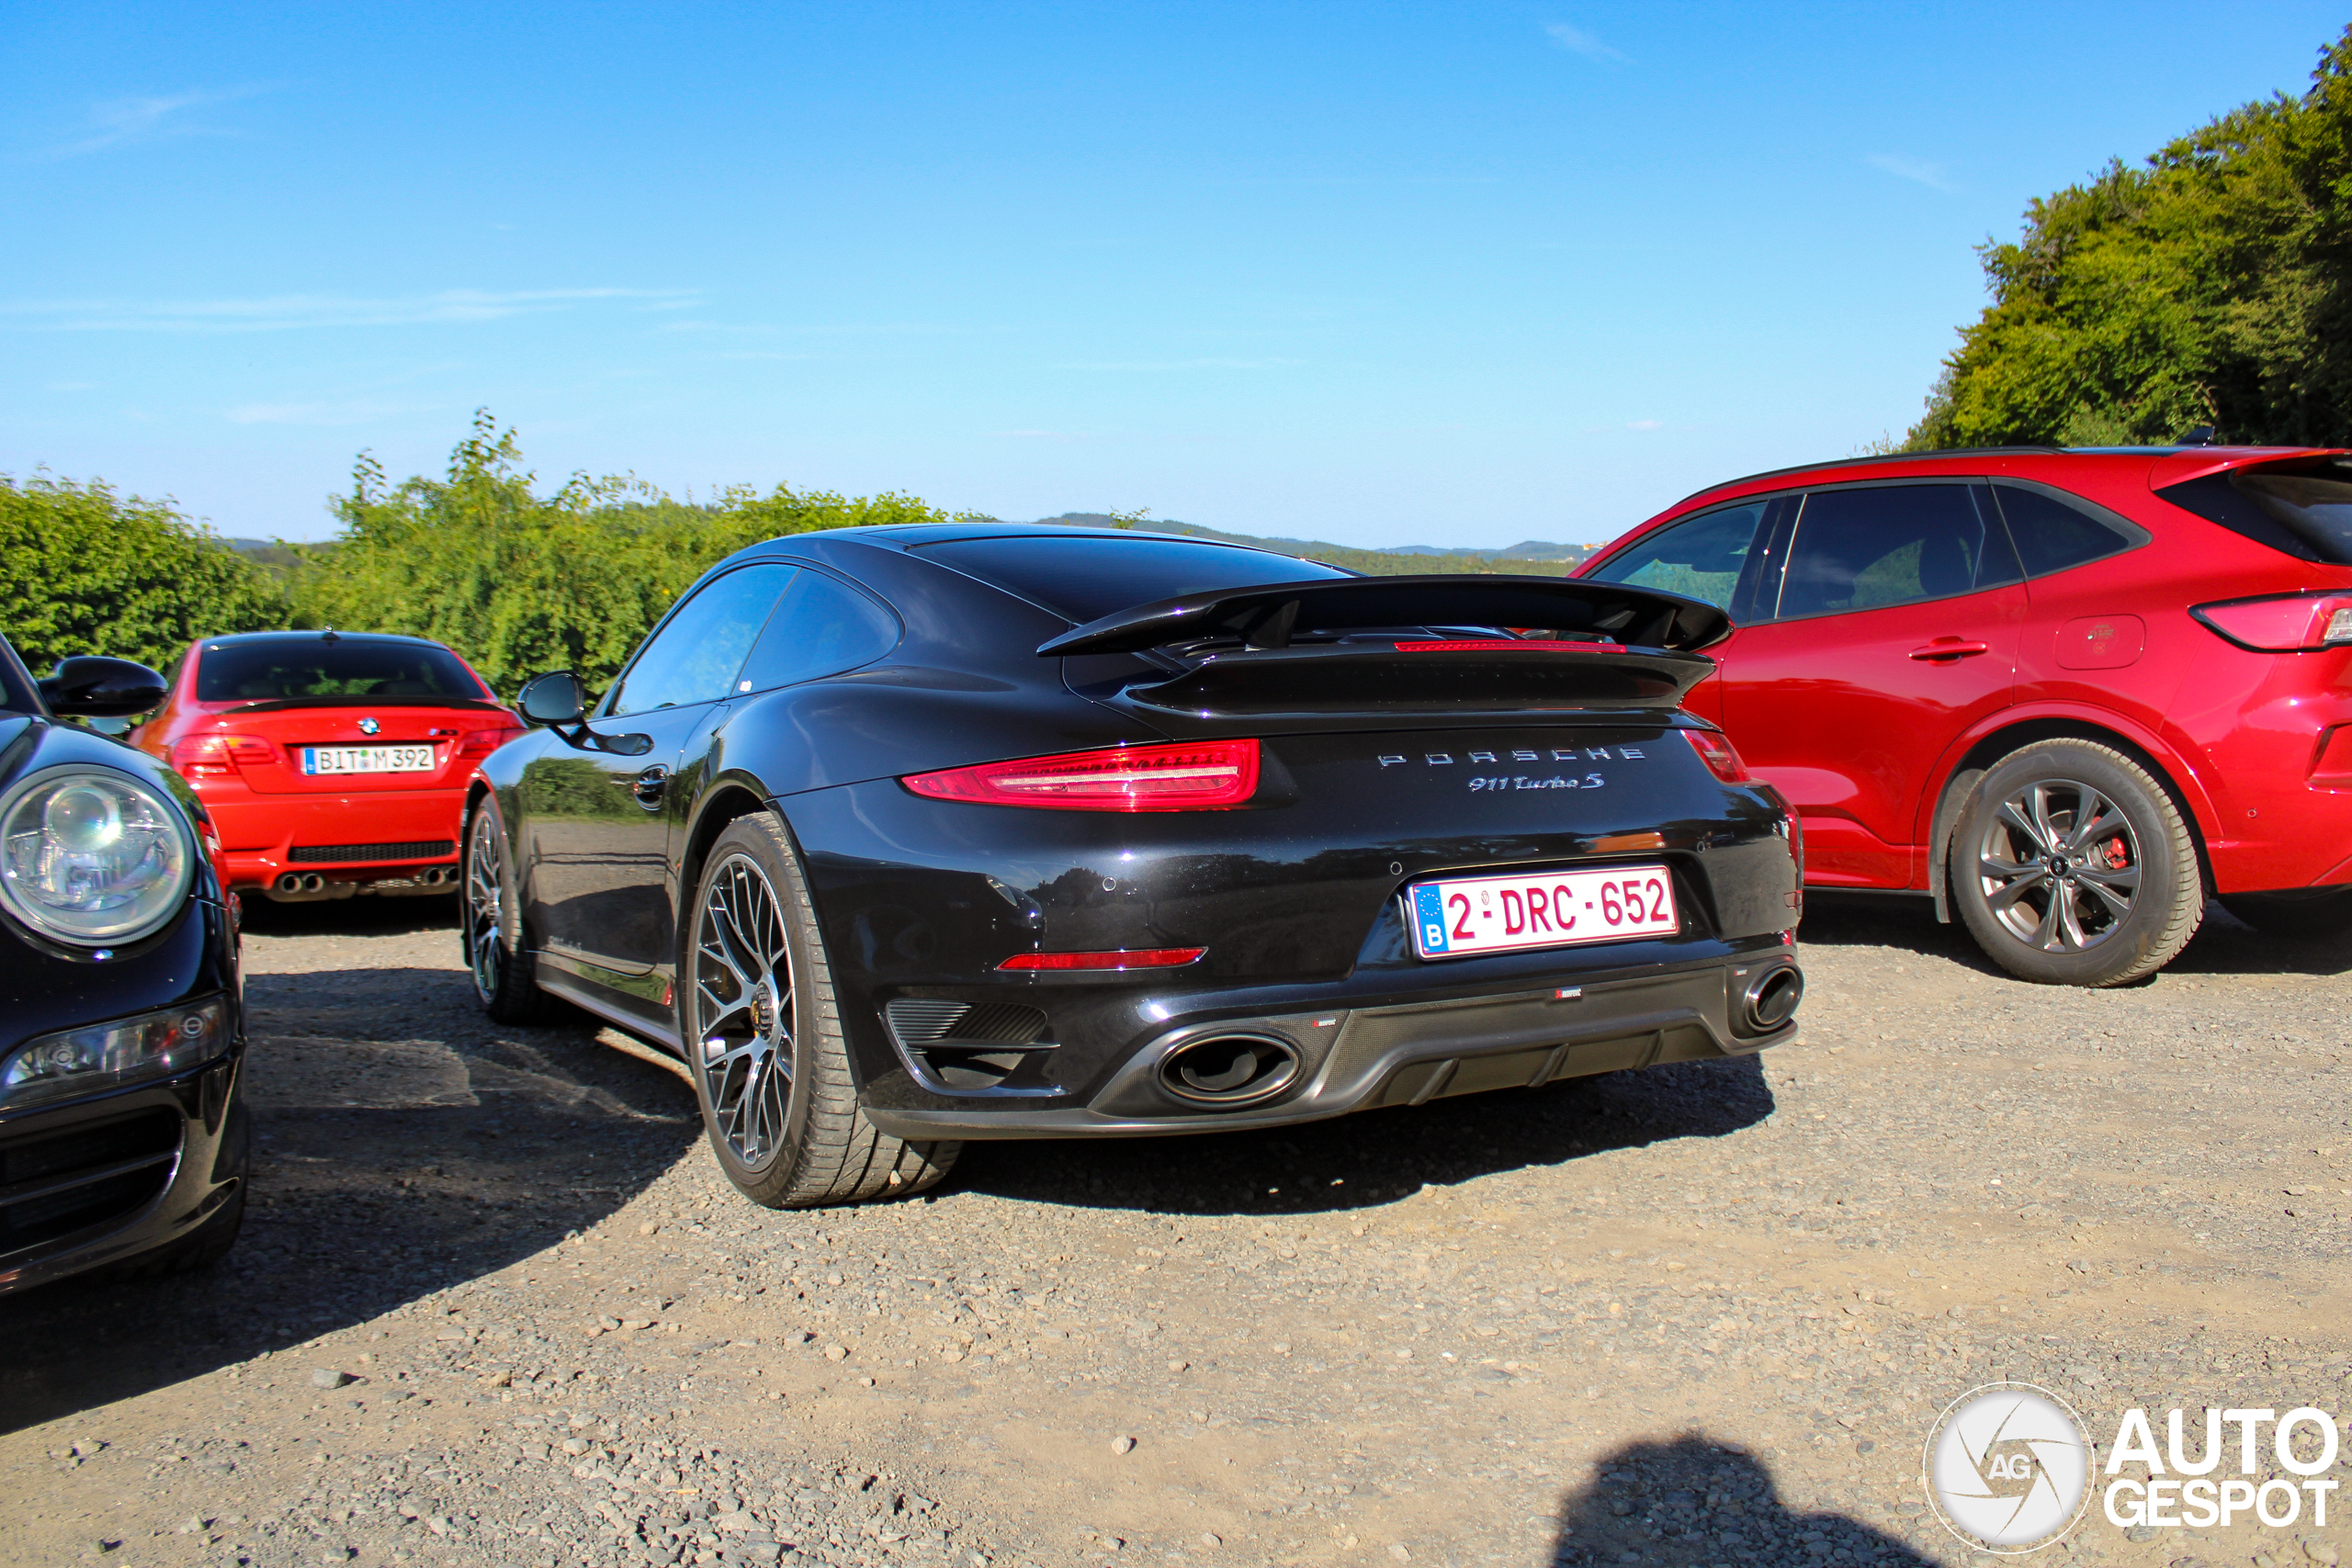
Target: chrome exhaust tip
[1228, 1070]
[1771, 998]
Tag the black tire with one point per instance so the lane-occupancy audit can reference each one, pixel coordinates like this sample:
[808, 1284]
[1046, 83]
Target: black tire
[490, 926]
[761, 1025]
[2313, 914]
[200, 1248]
[2072, 867]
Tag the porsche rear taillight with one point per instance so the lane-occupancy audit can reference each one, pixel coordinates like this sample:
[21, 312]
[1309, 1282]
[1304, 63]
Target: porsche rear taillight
[1207, 775]
[1722, 758]
[2282, 623]
[200, 756]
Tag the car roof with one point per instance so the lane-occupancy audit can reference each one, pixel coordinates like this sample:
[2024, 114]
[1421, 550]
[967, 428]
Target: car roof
[245, 638]
[911, 536]
[2018, 461]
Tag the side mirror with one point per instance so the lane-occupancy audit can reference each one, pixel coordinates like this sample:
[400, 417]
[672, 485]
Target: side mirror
[556, 698]
[91, 687]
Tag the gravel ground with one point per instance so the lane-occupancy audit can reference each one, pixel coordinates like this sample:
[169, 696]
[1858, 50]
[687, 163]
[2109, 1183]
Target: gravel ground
[495, 1306]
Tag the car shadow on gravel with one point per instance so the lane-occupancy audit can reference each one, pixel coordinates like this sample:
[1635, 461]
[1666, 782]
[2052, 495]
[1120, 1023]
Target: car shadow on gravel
[402, 1146]
[1693, 1502]
[1377, 1157]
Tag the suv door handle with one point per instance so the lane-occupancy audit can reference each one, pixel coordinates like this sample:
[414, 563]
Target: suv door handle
[648, 785]
[1952, 648]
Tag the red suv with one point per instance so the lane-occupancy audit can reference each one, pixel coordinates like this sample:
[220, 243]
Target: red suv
[2072, 694]
[331, 763]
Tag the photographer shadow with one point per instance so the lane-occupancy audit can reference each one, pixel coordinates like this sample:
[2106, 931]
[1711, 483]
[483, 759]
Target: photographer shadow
[1693, 1503]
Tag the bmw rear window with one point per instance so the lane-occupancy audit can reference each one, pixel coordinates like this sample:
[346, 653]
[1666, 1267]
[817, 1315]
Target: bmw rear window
[2304, 511]
[282, 668]
[1089, 576]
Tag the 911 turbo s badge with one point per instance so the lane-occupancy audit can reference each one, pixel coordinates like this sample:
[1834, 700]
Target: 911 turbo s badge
[1477, 781]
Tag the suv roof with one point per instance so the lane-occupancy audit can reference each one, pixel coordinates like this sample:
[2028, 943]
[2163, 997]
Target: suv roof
[1936, 461]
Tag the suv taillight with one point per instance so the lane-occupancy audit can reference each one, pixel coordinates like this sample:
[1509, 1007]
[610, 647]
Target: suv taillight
[1722, 758]
[200, 756]
[1206, 775]
[2281, 622]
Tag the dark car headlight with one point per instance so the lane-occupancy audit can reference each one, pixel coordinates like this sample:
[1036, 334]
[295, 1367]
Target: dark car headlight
[109, 1055]
[89, 855]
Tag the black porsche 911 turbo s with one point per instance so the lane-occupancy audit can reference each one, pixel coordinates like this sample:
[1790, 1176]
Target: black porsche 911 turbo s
[123, 1131]
[904, 836]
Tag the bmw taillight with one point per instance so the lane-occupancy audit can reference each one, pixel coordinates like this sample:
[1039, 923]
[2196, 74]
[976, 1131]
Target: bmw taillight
[1206, 775]
[483, 743]
[1722, 758]
[2281, 622]
[199, 756]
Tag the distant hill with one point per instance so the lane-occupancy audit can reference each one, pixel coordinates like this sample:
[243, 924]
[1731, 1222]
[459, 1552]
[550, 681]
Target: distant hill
[271, 555]
[1533, 557]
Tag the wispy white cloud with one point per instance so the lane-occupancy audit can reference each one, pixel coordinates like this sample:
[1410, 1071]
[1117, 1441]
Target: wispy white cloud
[119, 121]
[327, 413]
[1040, 434]
[1916, 169]
[1646, 425]
[1578, 41]
[289, 311]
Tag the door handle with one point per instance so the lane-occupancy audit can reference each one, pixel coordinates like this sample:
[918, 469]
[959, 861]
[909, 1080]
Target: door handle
[1952, 648]
[648, 785]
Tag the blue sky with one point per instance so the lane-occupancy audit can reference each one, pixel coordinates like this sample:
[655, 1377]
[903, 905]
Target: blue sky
[1461, 273]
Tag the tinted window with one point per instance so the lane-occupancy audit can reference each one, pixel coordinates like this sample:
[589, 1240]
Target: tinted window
[315, 667]
[820, 627]
[695, 656]
[1700, 558]
[16, 693]
[1864, 550]
[1087, 576]
[2051, 534]
[2307, 515]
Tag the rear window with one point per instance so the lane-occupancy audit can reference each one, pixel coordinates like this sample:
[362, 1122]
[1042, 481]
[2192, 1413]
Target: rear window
[2305, 513]
[1087, 576]
[2053, 531]
[314, 667]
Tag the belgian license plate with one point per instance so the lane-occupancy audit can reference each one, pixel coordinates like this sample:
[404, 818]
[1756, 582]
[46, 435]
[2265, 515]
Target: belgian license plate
[319, 760]
[1456, 917]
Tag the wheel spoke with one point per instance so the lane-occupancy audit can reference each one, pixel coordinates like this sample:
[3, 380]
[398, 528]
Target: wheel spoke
[2097, 821]
[2115, 889]
[742, 969]
[2045, 931]
[2015, 820]
[2018, 881]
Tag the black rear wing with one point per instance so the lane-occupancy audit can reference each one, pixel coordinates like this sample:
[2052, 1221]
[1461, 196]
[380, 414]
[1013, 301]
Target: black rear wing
[1451, 644]
[1271, 615]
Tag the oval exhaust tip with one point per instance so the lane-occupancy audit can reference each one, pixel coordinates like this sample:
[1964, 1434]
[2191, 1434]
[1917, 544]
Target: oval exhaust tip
[1772, 998]
[1229, 1069]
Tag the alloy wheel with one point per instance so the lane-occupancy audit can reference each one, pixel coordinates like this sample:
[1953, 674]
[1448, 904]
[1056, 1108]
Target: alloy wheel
[2059, 865]
[742, 1010]
[486, 902]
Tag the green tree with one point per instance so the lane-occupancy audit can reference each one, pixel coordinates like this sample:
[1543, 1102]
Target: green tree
[90, 572]
[2212, 286]
[520, 583]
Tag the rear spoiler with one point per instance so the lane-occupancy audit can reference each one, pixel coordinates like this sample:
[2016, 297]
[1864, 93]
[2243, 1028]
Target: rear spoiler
[1269, 616]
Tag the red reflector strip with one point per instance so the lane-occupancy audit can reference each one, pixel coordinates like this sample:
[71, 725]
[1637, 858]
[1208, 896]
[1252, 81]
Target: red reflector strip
[1497, 645]
[1122, 958]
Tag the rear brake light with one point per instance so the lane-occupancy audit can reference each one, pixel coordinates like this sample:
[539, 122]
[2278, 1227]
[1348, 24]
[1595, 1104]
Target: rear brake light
[1497, 644]
[2286, 622]
[483, 743]
[1120, 958]
[1201, 776]
[1722, 758]
[202, 755]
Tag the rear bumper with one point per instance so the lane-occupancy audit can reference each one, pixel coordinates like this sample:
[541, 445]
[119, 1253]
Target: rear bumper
[356, 838]
[1404, 1052]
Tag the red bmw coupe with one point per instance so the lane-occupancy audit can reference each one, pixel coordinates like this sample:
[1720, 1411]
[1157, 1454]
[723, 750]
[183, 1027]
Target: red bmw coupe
[332, 762]
[2072, 694]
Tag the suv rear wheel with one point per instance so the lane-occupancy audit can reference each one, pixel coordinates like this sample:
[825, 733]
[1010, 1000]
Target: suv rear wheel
[2071, 866]
[762, 1026]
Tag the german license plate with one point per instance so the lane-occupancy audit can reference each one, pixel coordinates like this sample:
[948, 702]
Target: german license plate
[317, 759]
[1456, 917]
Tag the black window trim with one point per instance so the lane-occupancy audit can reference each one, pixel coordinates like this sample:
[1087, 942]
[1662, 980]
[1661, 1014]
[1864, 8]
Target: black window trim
[859, 588]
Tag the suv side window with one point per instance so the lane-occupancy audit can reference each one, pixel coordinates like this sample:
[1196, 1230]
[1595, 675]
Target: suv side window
[1699, 557]
[2052, 534]
[1877, 546]
[821, 627]
[695, 656]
